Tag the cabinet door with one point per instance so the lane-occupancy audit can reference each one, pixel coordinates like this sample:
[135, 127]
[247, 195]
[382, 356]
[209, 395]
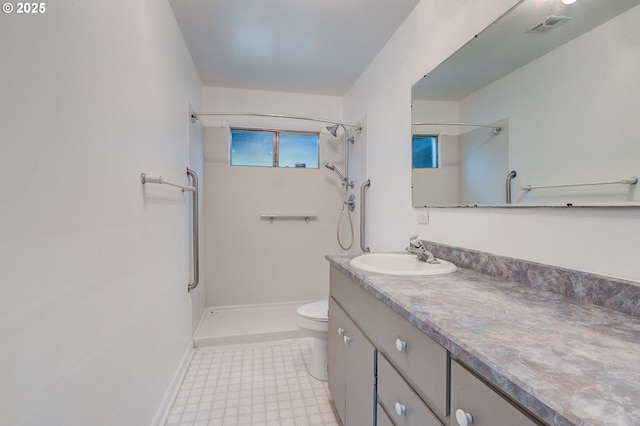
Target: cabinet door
[360, 375]
[336, 357]
[351, 369]
[471, 396]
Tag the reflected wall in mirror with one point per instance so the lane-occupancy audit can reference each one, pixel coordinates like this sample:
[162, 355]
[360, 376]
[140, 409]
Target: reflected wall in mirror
[565, 94]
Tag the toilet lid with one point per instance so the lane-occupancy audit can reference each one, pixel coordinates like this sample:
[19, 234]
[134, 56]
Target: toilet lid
[318, 311]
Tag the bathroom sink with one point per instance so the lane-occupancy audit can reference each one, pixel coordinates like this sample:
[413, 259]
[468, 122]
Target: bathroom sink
[400, 264]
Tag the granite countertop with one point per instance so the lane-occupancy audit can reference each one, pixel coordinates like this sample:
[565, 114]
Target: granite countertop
[567, 362]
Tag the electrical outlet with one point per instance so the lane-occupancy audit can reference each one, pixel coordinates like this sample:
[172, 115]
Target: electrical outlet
[423, 217]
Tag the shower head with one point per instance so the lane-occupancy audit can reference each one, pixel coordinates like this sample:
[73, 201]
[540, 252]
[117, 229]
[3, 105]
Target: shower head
[330, 166]
[333, 130]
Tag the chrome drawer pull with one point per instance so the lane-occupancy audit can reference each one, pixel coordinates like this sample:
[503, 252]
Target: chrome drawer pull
[340, 331]
[400, 409]
[347, 339]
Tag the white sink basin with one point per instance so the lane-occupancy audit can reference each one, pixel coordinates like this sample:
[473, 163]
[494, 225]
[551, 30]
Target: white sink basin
[400, 264]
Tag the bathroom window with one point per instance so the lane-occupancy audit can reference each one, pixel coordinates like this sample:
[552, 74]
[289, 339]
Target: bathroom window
[273, 148]
[424, 150]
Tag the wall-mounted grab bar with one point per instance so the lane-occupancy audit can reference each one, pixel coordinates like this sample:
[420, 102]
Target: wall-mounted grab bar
[494, 129]
[510, 177]
[159, 179]
[626, 181]
[364, 186]
[196, 247]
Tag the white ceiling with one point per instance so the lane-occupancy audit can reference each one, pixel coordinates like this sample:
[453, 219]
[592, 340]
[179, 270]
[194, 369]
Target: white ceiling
[303, 46]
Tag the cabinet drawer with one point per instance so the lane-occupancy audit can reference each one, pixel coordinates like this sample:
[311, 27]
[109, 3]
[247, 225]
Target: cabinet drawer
[486, 406]
[360, 304]
[421, 360]
[395, 394]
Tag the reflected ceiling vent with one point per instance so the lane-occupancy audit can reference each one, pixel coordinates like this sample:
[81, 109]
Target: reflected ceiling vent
[548, 24]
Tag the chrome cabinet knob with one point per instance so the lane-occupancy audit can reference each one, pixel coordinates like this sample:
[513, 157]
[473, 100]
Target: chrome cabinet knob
[401, 345]
[463, 419]
[400, 409]
[347, 339]
[340, 331]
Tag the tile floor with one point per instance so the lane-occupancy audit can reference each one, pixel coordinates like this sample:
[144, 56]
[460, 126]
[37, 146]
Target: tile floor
[252, 384]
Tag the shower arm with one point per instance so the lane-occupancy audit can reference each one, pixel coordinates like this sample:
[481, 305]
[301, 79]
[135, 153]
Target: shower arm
[347, 140]
[343, 179]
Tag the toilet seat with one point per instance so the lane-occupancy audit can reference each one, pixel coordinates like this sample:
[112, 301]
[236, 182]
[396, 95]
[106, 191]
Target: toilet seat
[315, 311]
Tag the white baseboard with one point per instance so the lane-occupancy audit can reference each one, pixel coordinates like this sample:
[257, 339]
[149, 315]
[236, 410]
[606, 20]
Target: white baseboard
[165, 406]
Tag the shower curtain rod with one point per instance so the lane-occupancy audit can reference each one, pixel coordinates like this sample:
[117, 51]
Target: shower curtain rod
[195, 116]
[495, 129]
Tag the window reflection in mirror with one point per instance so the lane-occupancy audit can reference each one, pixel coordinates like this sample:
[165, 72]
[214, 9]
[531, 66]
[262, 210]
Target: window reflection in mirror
[424, 149]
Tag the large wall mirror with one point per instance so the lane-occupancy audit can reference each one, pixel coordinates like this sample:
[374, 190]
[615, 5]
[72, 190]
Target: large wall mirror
[539, 109]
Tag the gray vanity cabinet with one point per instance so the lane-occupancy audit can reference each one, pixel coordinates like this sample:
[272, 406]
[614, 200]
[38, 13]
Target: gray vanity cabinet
[475, 403]
[351, 369]
[407, 377]
[379, 361]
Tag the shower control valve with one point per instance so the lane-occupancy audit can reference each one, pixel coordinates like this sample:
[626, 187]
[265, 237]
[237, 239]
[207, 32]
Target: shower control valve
[351, 202]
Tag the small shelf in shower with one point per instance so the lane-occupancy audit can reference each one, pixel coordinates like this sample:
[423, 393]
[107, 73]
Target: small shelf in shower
[306, 216]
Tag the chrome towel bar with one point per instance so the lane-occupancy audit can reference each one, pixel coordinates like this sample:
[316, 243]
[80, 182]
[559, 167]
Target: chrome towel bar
[626, 181]
[494, 129]
[194, 238]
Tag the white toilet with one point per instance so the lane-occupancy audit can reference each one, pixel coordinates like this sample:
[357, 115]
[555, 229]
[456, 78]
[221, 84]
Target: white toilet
[313, 320]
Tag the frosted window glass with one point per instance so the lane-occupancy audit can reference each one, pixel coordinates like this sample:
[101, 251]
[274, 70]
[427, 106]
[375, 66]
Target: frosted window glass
[252, 148]
[298, 150]
[257, 147]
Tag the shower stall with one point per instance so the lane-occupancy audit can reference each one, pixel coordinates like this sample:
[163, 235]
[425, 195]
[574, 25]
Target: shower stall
[266, 234]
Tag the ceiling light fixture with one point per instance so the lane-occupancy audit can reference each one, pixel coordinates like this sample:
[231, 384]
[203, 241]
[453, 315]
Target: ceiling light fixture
[568, 1]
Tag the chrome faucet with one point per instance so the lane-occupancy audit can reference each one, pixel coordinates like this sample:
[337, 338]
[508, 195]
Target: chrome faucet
[417, 247]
